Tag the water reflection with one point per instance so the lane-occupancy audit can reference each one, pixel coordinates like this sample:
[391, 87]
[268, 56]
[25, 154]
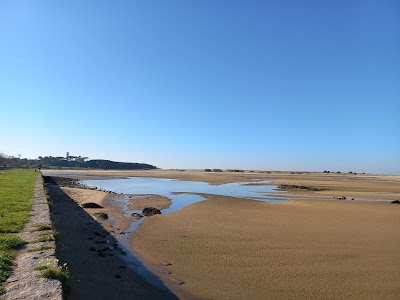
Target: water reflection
[170, 187]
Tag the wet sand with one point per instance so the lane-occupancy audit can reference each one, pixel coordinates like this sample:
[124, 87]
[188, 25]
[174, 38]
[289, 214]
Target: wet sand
[113, 204]
[229, 248]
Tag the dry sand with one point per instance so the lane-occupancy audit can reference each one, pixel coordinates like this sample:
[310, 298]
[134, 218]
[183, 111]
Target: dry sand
[228, 248]
[82, 196]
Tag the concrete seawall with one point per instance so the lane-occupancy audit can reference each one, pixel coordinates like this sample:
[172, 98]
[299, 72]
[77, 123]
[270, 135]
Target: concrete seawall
[24, 282]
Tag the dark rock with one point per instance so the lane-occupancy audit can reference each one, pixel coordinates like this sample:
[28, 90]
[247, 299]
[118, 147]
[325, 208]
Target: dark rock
[117, 276]
[93, 249]
[151, 211]
[101, 215]
[395, 202]
[91, 205]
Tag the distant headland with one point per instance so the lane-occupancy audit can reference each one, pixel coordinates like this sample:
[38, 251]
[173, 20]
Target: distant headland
[69, 161]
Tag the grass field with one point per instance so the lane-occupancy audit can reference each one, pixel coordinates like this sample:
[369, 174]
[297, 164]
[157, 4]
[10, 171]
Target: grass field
[16, 193]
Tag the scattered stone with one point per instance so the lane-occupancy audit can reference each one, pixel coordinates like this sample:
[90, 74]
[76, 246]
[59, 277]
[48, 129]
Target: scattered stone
[137, 216]
[300, 187]
[117, 276]
[101, 215]
[150, 211]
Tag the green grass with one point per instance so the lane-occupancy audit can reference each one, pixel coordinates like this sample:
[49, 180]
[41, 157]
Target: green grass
[49, 268]
[40, 248]
[43, 238]
[16, 193]
[42, 227]
[8, 242]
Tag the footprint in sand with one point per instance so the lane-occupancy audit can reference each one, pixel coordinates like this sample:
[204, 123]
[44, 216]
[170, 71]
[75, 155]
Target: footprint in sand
[177, 281]
[165, 263]
[168, 272]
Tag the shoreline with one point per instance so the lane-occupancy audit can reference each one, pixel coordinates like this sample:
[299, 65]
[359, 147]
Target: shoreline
[178, 247]
[333, 185]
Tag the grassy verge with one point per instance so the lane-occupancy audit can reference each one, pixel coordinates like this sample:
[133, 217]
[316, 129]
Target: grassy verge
[16, 193]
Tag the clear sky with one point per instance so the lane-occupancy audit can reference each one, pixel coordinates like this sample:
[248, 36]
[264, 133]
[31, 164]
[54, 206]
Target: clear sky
[290, 85]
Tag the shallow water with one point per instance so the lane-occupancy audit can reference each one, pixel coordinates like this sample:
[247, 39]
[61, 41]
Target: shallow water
[169, 188]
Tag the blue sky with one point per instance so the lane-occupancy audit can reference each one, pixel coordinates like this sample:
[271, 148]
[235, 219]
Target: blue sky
[289, 85]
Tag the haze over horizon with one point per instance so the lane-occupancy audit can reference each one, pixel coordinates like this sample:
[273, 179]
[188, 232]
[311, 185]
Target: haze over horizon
[277, 85]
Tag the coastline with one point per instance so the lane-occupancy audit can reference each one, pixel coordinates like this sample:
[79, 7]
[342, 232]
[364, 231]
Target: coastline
[231, 248]
[334, 185]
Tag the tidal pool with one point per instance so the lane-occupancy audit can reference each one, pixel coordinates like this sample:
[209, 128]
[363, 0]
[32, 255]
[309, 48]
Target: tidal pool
[183, 193]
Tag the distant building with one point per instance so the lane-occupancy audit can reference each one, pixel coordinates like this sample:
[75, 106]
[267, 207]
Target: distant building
[67, 155]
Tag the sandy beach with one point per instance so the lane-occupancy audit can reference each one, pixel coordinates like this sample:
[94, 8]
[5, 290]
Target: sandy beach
[236, 249]
[230, 248]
